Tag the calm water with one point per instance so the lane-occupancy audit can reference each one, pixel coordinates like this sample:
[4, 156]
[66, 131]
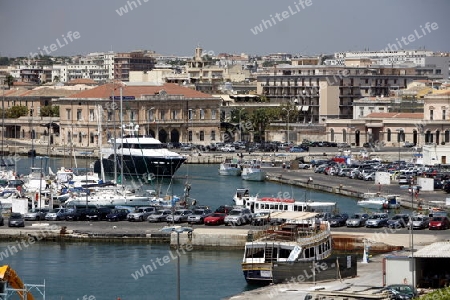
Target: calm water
[72, 270]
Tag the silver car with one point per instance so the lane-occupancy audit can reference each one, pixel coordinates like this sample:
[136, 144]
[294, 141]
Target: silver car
[198, 215]
[179, 216]
[420, 222]
[159, 216]
[36, 215]
[357, 220]
[141, 214]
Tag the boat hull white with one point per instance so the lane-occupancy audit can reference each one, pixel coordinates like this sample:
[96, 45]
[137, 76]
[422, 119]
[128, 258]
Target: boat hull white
[252, 174]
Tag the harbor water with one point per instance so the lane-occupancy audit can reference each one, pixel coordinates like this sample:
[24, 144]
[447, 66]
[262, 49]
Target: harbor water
[140, 271]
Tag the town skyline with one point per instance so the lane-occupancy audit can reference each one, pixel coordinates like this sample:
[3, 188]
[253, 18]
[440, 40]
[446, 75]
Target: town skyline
[255, 28]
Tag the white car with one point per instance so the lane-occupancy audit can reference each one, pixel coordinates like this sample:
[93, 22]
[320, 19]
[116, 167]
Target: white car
[239, 216]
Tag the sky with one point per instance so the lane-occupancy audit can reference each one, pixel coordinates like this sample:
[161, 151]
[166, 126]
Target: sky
[177, 27]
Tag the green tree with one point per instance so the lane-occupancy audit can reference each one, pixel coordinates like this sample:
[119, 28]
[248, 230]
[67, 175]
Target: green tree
[16, 112]
[261, 118]
[50, 111]
[9, 80]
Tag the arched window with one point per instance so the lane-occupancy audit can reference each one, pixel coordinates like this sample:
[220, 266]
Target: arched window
[389, 133]
[344, 136]
[332, 135]
[447, 136]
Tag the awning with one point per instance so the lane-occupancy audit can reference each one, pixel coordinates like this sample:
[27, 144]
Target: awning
[374, 125]
[305, 108]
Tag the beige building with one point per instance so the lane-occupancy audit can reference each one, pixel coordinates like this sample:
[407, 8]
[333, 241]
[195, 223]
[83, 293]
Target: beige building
[169, 112]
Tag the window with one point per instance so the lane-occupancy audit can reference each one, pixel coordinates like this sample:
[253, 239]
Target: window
[444, 112]
[150, 115]
[91, 115]
[332, 135]
[213, 135]
[161, 114]
[190, 135]
[191, 114]
[133, 115]
[79, 114]
[213, 114]
[389, 132]
[380, 108]
[202, 114]
[69, 114]
[110, 115]
[174, 114]
[202, 135]
[361, 111]
[431, 115]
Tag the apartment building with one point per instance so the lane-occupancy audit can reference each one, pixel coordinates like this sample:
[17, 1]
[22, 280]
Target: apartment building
[321, 92]
[169, 112]
[132, 61]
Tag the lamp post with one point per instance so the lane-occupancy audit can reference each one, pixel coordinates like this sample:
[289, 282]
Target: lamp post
[240, 124]
[413, 263]
[288, 110]
[399, 139]
[178, 231]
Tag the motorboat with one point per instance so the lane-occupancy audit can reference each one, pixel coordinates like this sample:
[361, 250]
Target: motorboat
[297, 249]
[251, 170]
[138, 155]
[258, 204]
[230, 167]
[381, 202]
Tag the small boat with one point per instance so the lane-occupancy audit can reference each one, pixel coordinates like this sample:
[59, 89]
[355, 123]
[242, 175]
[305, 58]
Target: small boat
[230, 167]
[251, 170]
[381, 202]
[256, 204]
[300, 248]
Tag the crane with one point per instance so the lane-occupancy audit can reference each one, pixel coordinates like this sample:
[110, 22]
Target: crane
[8, 275]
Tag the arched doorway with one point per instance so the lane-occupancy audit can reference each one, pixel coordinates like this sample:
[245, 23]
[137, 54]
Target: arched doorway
[357, 135]
[175, 136]
[415, 137]
[332, 135]
[344, 136]
[428, 137]
[151, 133]
[438, 133]
[162, 135]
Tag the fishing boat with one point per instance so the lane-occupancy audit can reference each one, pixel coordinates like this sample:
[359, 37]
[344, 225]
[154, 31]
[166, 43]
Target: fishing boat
[251, 170]
[300, 248]
[138, 155]
[380, 202]
[258, 204]
[230, 167]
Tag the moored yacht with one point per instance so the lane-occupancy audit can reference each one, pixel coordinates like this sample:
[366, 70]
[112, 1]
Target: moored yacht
[230, 167]
[251, 170]
[139, 154]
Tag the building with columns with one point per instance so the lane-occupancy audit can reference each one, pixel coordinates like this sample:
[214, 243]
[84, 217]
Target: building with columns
[169, 112]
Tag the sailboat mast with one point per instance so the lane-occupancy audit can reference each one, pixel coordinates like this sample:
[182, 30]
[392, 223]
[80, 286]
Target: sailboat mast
[100, 139]
[122, 135]
[114, 135]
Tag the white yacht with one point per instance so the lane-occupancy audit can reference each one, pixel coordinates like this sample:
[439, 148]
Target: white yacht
[251, 170]
[230, 167]
[138, 155]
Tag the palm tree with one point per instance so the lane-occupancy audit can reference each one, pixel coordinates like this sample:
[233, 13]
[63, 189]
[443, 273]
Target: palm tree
[9, 80]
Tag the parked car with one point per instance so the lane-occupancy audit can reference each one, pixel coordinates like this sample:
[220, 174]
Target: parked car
[398, 221]
[141, 214]
[198, 215]
[75, 215]
[224, 209]
[239, 216]
[420, 222]
[117, 214]
[16, 220]
[439, 222]
[56, 214]
[97, 214]
[338, 220]
[401, 291]
[215, 219]
[295, 149]
[304, 166]
[377, 220]
[261, 219]
[159, 216]
[357, 220]
[36, 215]
[179, 216]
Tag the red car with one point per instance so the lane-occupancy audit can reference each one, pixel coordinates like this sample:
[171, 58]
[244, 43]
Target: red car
[215, 219]
[439, 222]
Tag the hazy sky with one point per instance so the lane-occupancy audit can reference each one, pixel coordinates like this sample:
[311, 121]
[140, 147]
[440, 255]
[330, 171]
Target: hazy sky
[178, 26]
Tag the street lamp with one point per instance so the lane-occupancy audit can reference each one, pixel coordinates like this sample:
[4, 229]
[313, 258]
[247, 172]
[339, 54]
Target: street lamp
[288, 110]
[413, 268]
[240, 124]
[178, 231]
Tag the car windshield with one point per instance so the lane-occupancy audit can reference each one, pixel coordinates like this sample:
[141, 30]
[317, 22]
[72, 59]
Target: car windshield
[218, 215]
[178, 212]
[438, 219]
[375, 217]
[356, 217]
[235, 212]
[16, 216]
[198, 212]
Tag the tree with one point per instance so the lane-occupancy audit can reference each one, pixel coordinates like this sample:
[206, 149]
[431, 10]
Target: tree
[9, 80]
[50, 111]
[261, 118]
[16, 112]
[56, 79]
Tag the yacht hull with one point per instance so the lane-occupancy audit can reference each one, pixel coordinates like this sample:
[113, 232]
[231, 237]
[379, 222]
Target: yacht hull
[138, 166]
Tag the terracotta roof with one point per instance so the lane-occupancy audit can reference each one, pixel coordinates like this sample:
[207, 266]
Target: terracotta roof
[81, 81]
[396, 115]
[105, 91]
